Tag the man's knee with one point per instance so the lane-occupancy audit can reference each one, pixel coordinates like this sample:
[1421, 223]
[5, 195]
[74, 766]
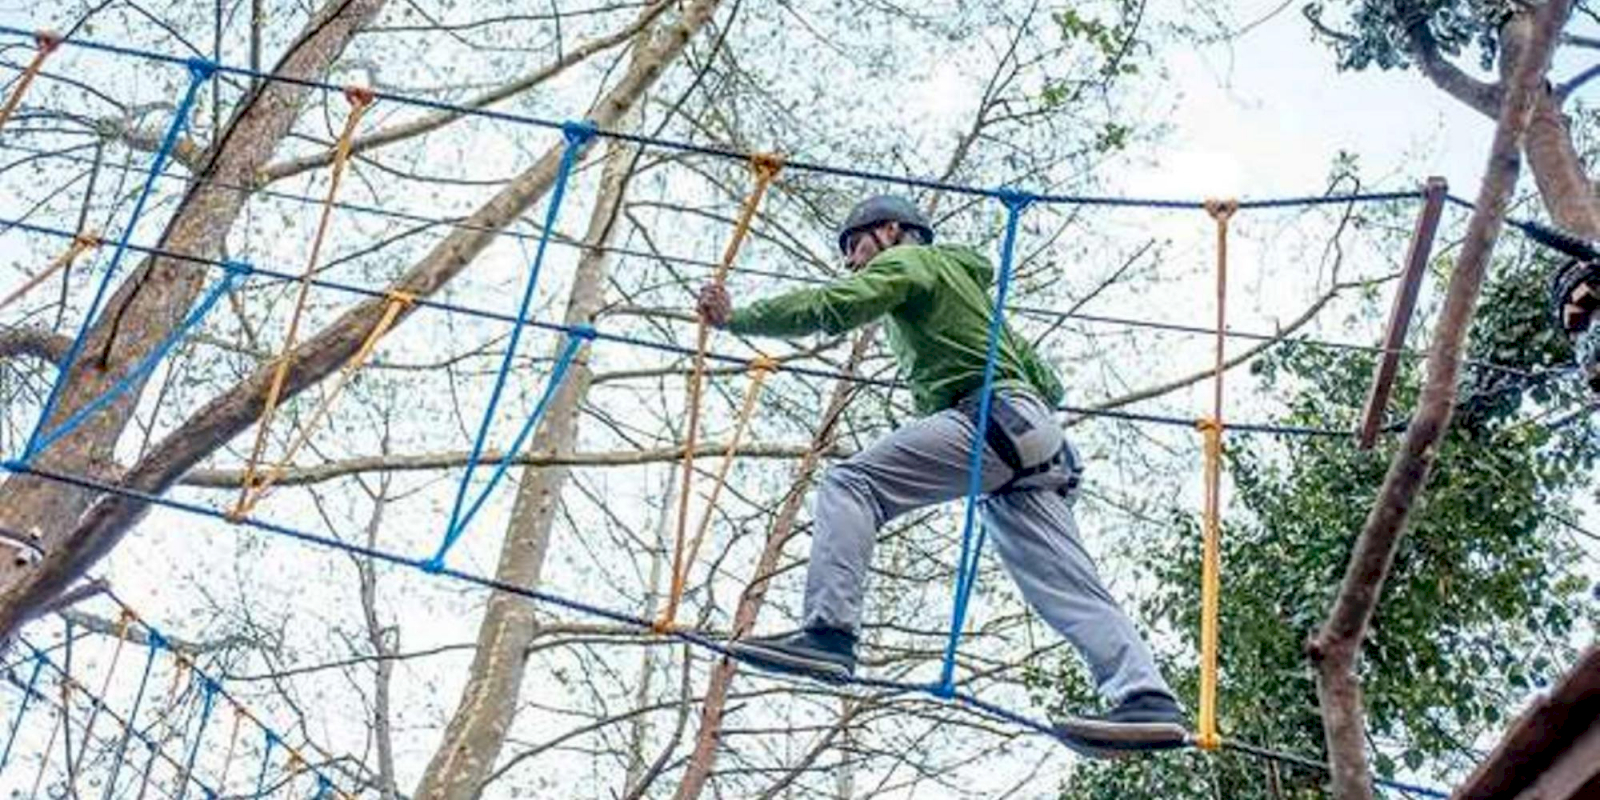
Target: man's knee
[846, 484]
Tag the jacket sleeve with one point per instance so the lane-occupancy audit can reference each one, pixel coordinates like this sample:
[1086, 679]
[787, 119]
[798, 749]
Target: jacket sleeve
[847, 303]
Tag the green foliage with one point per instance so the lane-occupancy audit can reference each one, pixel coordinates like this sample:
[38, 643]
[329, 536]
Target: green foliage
[1373, 32]
[1482, 599]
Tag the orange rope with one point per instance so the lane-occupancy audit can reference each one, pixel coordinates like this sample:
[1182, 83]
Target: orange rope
[80, 243]
[1207, 737]
[766, 167]
[760, 368]
[257, 489]
[360, 99]
[46, 41]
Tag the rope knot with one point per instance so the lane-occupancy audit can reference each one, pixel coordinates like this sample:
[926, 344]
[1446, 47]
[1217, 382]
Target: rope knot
[238, 269]
[766, 165]
[200, 68]
[87, 240]
[1208, 425]
[579, 132]
[1221, 209]
[46, 40]
[406, 299]
[360, 96]
[763, 364]
[584, 332]
[1016, 200]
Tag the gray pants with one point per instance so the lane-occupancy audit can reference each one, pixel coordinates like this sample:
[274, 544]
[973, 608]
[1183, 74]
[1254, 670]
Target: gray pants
[927, 462]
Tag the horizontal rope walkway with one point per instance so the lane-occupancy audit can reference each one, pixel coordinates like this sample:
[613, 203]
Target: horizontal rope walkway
[693, 637]
[602, 335]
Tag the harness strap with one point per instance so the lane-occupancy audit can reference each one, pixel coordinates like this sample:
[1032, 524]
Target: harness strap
[1006, 422]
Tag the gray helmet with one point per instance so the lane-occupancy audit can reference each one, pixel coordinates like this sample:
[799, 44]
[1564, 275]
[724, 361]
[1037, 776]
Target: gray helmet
[875, 211]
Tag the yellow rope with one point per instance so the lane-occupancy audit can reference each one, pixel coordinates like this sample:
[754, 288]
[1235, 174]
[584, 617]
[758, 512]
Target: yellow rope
[760, 368]
[80, 243]
[360, 100]
[46, 41]
[1207, 737]
[766, 167]
[257, 489]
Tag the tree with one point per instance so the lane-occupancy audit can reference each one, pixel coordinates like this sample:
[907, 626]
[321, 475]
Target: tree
[1436, 37]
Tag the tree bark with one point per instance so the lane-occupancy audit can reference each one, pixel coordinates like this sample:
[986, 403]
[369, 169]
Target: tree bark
[1335, 648]
[715, 701]
[477, 730]
[148, 305]
[1557, 168]
[79, 546]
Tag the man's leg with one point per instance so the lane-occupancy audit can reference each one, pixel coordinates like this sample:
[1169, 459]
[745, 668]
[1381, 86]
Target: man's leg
[1037, 539]
[919, 464]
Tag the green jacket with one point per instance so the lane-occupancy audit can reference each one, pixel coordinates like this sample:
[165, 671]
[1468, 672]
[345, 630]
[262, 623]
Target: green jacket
[937, 302]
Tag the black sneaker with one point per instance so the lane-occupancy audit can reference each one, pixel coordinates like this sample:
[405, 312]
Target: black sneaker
[819, 652]
[1143, 721]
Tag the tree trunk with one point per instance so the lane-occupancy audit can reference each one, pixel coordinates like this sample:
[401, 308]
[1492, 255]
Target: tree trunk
[146, 307]
[232, 412]
[716, 698]
[488, 704]
[1558, 170]
[1335, 648]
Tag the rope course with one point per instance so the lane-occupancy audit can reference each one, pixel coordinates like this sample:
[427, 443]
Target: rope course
[788, 277]
[188, 679]
[468, 500]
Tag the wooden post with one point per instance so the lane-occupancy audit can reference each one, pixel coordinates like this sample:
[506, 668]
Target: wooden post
[1405, 300]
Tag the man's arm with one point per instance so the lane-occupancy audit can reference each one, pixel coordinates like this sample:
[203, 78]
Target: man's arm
[847, 303]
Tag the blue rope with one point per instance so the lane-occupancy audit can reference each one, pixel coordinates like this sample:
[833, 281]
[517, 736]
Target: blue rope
[199, 70]
[726, 153]
[208, 689]
[1016, 203]
[138, 698]
[16, 724]
[578, 135]
[143, 368]
[689, 636]
[574, 341]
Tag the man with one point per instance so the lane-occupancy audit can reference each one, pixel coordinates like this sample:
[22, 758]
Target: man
[935, 299]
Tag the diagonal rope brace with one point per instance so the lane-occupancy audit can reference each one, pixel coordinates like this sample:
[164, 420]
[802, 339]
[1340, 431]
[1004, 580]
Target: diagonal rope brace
[398, 302]
[360, 99]
[760, 368]
[765, 167]
[1207, 737]
[46, 42]
[81, 243]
